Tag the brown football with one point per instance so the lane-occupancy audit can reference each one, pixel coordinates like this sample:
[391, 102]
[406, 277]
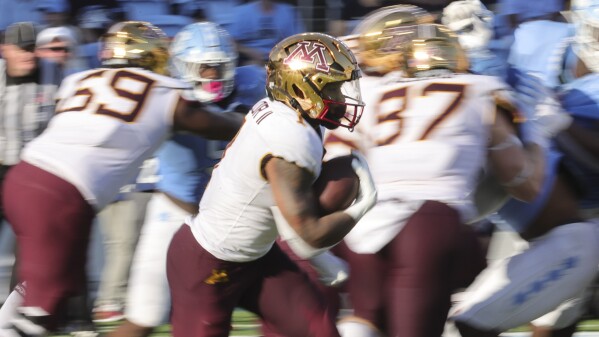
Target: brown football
[337, 186]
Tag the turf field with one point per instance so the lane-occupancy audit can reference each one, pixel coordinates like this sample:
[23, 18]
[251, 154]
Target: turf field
[246, 325]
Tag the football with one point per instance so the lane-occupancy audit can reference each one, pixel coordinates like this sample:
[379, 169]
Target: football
[337, 186]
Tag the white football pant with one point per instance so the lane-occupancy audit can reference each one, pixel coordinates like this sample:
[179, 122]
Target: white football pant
[148, 296]
[521, 288]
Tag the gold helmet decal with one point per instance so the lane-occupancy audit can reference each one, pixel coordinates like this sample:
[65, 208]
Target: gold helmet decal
[311, 52]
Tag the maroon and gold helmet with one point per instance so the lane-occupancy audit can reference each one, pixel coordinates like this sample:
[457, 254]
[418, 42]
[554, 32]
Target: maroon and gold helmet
[316, 74]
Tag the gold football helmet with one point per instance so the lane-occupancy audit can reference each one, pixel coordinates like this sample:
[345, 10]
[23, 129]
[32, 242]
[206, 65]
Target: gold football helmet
[317, 75]
[433, 47]
[135, 44]
[381, 34]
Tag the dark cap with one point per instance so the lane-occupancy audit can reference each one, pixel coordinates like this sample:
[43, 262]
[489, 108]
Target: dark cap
[21, 34]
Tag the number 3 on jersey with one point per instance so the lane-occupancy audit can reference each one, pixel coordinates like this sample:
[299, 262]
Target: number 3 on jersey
[116, 93]
[396, 116]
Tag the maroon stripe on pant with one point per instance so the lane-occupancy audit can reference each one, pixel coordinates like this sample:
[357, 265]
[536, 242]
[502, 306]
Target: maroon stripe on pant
[52, 223]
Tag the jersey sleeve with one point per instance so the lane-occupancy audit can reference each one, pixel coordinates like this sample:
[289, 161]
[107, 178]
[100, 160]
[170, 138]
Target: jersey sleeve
[291, 139]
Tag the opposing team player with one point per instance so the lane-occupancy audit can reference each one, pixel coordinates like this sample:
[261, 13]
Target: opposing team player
[428, 133]
[225, 256]
[473, 23]
[108, 121]
[203, 55]
[555, 221]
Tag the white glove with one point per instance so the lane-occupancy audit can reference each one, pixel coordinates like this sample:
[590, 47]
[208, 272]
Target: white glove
[367, 192]
[545, 115]
[332, 271]
[551, 117]
[300, 247]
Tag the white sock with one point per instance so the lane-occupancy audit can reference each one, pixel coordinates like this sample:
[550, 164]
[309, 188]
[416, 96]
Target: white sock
[354, 328]
[332, 271]
[8, 311]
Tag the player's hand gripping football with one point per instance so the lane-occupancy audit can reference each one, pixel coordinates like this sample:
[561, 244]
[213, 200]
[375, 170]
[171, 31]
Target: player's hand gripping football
[367, 193]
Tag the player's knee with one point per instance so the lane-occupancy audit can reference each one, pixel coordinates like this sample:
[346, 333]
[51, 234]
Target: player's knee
[578, 243]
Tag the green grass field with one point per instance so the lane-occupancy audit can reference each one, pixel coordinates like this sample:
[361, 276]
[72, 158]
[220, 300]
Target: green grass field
[245, 324]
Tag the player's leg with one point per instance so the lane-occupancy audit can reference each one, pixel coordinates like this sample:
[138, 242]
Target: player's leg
[148, 271]
[517, 290]
[119, 233]
[366, 292]
[52, 223]
[424, 259]
[288, 301]
[204, 289]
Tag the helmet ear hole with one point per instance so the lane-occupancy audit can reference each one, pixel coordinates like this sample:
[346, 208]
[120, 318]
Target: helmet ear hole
[298, 92]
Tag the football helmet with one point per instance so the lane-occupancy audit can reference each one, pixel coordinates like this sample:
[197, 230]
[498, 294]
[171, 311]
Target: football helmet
[471, 21]
[135, 44]
[199, 47]
[433, 47]
[585, 15]
[316, 74]
[381, 34]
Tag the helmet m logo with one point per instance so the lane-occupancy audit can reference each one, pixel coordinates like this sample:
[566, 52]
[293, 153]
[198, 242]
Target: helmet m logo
[314, 55]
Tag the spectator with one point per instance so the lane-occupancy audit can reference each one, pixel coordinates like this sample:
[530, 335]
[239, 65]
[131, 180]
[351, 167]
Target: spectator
[58, 45]
[26, 104]
[259, 25]
[54, 12]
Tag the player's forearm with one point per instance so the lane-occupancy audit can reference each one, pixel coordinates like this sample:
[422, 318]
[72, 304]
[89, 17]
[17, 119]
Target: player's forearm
[328, 230]
[526, 185]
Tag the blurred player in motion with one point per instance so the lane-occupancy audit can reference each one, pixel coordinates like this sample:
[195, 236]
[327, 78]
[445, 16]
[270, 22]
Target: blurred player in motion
[225, 256]
[203, 55]
[473, 23]
[561, 224]
[428, 130]
[108, 121]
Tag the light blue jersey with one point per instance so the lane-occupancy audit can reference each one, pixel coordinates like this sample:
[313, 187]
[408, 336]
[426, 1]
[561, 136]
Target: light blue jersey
[186, 161]
[581, 99]
[539, 48]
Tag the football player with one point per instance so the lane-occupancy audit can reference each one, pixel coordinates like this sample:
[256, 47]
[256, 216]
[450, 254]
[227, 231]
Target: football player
[203, 55]
[225, 256]
[472, 22]
[429, 131]
[108, 121]
[555, 221]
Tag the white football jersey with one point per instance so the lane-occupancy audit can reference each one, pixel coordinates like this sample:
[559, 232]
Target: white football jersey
[424, 139]
[235, 222]
[108, 121]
